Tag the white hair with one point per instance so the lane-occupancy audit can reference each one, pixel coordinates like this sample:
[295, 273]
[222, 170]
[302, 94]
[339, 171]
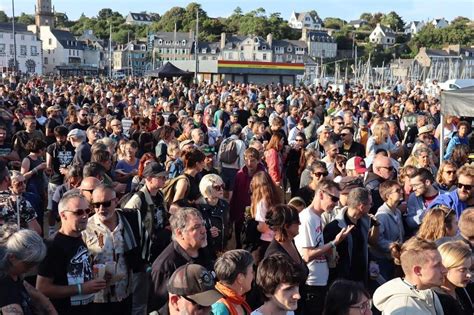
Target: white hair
[205, 186]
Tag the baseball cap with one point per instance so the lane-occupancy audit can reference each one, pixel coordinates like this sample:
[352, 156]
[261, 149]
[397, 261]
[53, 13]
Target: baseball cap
[195, 283]
[261, 106]
[154, 170]
[350, 182]
[208, 150]
[322, 128]
[356, 163]
[185, 143]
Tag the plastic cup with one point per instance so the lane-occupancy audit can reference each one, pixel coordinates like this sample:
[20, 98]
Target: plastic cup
[99, 271]
[110, 267]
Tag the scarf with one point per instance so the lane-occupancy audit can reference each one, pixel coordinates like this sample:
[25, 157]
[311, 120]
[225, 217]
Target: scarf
[230, 298]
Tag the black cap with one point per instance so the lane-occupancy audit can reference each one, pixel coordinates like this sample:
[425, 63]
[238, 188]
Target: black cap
[154, 170]
[194, 282]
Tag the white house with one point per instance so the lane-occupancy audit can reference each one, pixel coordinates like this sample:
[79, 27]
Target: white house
[440, 23]
[382, 35]
[320, 44]
[414, 27]
[28, 49]
[138, 19]
[304, 20]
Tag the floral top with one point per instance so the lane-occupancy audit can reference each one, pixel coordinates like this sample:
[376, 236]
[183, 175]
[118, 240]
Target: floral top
[8, 209]
[108, 246]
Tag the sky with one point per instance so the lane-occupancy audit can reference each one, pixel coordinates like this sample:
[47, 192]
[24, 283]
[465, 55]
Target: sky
[348, 10]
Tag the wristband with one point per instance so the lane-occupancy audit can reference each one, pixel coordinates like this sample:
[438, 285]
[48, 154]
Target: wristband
[79, 289]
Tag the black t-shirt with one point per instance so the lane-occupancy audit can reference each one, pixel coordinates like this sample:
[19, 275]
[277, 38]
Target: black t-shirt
[193, 192]
[78, 126]
[14, 292]
[68, 263]
[263, 119]
[243, 117]
[5, 149]
[62, 156]
[356, 149]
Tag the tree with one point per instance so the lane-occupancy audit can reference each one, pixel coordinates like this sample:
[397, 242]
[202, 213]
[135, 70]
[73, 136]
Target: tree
[366, 16]
[26, 19]
[3, 17]
[332, 22]
[393, 20]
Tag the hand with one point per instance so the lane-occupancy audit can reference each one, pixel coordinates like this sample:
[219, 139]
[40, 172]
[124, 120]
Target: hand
[63, 170]
[214, 231]
[93, 286]
[343, 234]
[108, 277]
[373, 220]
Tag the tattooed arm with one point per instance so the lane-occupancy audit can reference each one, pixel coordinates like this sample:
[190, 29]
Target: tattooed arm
[39, 300]
[12, 309]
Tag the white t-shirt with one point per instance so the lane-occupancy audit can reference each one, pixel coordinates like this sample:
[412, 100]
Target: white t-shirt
[260, 214]
[258, 312]
[311, 236]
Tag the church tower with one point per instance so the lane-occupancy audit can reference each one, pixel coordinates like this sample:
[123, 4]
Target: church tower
[44, 15]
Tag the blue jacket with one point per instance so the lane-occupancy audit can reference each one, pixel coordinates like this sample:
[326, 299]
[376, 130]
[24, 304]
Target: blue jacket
[451, 200]
[455, 140]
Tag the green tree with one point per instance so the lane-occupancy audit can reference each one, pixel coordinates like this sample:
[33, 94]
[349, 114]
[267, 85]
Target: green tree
[27, 19]
[3, 17]
[366, 16]
[333, 22]
[393, 20]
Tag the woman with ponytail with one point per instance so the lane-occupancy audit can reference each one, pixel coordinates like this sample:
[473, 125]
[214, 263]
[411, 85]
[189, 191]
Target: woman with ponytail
[235, 272]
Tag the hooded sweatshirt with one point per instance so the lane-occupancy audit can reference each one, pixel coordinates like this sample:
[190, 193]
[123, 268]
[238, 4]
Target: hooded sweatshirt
[397, 297]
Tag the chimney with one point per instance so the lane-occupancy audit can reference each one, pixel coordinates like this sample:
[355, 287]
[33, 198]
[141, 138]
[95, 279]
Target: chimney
[223, 39]
[304, 34]
[270, 39]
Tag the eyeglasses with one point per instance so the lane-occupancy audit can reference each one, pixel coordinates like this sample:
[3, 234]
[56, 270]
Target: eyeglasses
[198, 306]
[464, 186]
[319, 174]
[80, 212]
[333, 198]
[104, 204]
[218, 187]
[364, 306]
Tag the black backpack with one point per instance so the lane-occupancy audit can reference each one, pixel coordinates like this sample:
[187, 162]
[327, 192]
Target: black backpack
[250, 236]
[228, 151]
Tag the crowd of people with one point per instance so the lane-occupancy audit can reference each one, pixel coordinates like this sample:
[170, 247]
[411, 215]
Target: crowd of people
[161, 196]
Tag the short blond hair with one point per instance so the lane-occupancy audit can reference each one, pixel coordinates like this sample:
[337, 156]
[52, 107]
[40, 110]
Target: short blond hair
[205, 186]
[454, 253]
[466, 223]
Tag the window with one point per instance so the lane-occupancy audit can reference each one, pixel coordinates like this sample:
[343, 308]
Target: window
[12, 49]
[1, 35]
[231, 56]
[45, 60]
[264, 47]
[50, 41]
[23, 50]
[22, 37]
[204, 50]
[2, 49]
[264, 56]
[254, 56]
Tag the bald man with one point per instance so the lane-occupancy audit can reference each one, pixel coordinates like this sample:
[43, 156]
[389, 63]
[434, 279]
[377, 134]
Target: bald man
[117, 130]
[382, 170]
[87, 187]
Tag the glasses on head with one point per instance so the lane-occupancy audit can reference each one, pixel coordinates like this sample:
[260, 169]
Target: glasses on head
[198, 306]
[218, 187]
[104, 204]
[464, 186]
[80, 212]
[333, 198]
[364, 306]
[319, 174]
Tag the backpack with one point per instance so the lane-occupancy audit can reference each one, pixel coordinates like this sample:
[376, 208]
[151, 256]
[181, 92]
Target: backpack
[250, 236]
[126, 198]
[169, 190]
[228, 151]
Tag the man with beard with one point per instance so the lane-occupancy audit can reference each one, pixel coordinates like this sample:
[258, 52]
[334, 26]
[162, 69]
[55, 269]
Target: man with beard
[65, 275]
[462, 197]
[82, 121]
[188, 246]
[382, 170]
[420, 199]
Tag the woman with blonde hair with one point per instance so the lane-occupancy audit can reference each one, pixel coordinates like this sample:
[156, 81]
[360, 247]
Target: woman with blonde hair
[446, 178]
[215, 212]
[438, 222]
[457, 258]
[380, 140]
[265, 194]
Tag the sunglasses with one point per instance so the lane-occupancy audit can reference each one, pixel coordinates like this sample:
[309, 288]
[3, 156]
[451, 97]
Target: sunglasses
[104, 204]
[80, 212]
[333, 198]
[299, 140]
[218, 187]
[198, 306]
[345, 134]
[319, 174]
[466, 187]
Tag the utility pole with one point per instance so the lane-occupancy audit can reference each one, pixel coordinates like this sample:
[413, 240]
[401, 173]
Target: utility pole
[196, 49]
[110, 51]
[14, 37]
